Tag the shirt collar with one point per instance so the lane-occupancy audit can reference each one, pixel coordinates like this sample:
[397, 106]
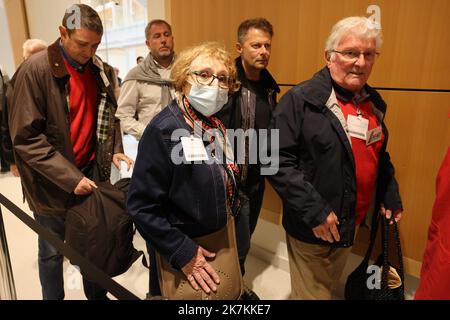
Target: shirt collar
[160, 66]
[346, 95]
[77, 66]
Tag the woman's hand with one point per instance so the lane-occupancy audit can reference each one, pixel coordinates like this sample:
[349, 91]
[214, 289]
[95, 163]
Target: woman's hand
[200, 273]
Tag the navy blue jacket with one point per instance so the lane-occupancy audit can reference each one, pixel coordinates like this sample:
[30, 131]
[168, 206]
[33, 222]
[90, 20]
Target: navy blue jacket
[317, 169]
[169, 203]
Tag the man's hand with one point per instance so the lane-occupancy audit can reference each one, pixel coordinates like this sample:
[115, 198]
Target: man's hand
[388, 214]
[14, 170]
[85, 187]
[199, 272]
[121, 157]
[327, 230]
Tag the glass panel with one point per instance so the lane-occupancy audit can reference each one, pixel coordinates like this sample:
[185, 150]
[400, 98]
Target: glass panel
[124, 22]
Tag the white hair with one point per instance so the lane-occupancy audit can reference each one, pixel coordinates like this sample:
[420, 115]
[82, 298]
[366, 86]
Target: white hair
[32, 46]
[360, 27]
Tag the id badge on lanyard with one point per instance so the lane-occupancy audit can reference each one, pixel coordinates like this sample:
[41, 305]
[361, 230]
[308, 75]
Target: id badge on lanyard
[194, 149]
[357, 126]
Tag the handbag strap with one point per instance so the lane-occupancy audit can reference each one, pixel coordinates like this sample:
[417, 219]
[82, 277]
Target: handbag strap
[373, 235]
[385, 249]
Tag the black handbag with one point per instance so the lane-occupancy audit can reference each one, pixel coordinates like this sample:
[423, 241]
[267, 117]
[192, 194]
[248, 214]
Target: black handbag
[363, 283]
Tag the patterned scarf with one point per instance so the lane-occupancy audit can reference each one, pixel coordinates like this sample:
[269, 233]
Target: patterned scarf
[231, 168]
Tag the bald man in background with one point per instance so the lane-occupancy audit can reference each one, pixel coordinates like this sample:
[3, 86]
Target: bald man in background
[30, 47]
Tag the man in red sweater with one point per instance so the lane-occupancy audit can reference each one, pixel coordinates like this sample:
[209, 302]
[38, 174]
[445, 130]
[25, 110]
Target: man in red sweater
[64, 133]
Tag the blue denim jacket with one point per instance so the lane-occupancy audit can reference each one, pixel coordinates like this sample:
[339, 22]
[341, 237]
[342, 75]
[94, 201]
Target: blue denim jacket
[169, 203]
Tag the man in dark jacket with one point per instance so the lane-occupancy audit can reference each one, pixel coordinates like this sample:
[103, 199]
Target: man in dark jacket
[251, 109]
[334, 167]
[64, 133]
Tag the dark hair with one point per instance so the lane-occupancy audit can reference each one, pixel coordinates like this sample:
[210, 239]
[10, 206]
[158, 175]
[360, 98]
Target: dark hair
[87, 18]
[139, 58]
[257, 23]
[153, 22]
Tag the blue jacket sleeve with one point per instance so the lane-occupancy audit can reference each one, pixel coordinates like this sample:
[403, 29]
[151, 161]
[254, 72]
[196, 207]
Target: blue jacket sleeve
[299, 196]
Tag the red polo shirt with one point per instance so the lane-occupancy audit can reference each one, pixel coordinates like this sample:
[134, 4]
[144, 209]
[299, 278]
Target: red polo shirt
[366, 158]
[83, 100]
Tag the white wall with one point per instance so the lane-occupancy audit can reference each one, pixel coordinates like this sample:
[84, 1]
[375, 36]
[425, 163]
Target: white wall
[156, 9]
[6, 52]
[45, 16]
[269, 244]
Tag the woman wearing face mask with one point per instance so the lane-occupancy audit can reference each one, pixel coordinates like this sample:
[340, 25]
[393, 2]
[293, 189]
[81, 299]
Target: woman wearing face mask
[184, 180]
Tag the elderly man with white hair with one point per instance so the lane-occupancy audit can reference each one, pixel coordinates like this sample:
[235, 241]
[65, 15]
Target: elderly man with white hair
[32, 46]
[334, 167]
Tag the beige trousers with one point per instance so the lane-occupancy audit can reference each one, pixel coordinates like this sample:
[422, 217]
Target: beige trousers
[315, 269]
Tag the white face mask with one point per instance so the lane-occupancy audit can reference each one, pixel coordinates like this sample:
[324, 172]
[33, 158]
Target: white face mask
[206, 99]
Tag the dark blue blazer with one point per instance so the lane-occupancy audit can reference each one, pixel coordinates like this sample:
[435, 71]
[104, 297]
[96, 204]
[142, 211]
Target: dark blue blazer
[173, 203]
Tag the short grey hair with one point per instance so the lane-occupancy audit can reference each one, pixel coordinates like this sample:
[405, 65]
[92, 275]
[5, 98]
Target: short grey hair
[257, 23]
[32, 46]
[149, 26]
[361, 27]
[88, 19]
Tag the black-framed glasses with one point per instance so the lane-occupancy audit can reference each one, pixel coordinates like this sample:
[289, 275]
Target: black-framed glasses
[353, 55]
[206, 78]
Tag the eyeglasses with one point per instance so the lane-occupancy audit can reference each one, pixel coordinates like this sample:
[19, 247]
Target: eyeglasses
[206, 78]
[352, 55]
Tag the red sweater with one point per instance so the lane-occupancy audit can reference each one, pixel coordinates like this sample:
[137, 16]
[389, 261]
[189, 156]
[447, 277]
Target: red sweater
[83, 101]
[366, 159]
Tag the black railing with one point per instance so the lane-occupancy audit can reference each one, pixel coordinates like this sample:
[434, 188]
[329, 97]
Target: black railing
[92, 271]
[7, 286]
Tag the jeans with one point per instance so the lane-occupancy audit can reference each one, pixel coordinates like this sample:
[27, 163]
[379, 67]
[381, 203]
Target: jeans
[251, 201]
[50, 261]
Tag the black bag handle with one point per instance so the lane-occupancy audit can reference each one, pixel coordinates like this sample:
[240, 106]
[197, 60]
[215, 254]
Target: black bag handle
[88, 268]
[373, 235]
[385, 251]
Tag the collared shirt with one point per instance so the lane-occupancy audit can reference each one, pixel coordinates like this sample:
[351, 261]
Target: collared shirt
[366, 156]
[77, 66]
